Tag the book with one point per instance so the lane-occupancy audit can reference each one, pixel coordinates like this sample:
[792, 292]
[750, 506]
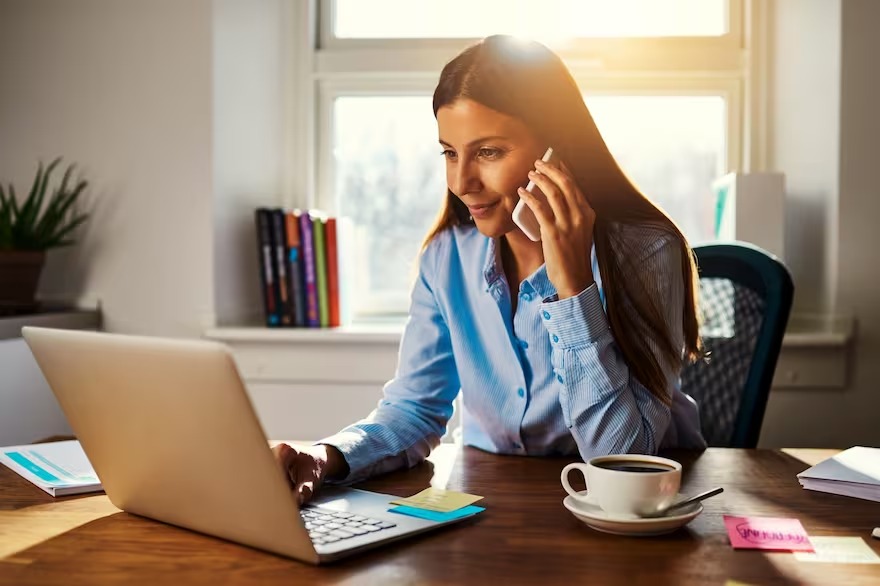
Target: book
[332, 273]
[295, 269]
[279, 256]
[345, 266]
[267, 270]
[318, 225]
[854, 472]
[59, 468]
[313, 320]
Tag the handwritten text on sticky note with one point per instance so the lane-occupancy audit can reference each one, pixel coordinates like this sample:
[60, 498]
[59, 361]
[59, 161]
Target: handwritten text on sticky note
[767, 533]
[438, 499]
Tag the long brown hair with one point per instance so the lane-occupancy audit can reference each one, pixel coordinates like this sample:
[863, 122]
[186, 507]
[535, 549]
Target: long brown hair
[526, 80]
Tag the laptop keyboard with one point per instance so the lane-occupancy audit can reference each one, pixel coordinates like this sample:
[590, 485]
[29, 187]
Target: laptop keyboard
[326, 526]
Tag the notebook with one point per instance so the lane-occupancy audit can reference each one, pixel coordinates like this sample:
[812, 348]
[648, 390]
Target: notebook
[170, 429]
[854, 472]
[59, 468]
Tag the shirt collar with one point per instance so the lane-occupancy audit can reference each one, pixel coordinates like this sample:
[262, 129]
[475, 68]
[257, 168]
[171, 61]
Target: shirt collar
[537, 282]
[541, 283]
[492, 264]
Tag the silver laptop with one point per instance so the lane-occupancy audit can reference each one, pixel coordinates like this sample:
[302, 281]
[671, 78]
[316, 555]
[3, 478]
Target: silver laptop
[172, 435]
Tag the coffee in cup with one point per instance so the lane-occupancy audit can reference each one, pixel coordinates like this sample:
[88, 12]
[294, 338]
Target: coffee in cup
[627, 484]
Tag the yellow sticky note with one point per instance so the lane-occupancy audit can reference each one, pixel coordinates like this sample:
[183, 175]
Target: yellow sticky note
[839, 550]
[439, 500]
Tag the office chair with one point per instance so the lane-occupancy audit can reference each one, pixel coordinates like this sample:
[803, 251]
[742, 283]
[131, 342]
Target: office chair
[745, 300]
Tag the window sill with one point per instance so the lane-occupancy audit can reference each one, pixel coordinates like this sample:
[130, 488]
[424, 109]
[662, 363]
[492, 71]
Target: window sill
[818, 331]
[804, 331]
[814, 353]
[353, 334]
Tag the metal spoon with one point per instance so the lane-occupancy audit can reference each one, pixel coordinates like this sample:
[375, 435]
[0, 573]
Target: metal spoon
[687, 501]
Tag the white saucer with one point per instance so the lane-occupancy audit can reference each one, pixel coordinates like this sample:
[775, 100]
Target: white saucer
[597, 519]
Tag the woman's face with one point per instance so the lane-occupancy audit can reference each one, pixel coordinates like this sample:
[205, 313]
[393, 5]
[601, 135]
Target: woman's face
[488, 155]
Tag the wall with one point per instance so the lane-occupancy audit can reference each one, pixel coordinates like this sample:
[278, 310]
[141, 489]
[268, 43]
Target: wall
[825, 121]
[804, 142]
[123, 89]
[249, 146]
[174, 111]
[859, 210]
[28, 410]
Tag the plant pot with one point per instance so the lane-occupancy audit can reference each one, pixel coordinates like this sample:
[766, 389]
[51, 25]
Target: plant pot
[19, 276]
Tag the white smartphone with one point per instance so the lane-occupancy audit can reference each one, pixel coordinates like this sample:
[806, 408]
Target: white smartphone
[523, 215]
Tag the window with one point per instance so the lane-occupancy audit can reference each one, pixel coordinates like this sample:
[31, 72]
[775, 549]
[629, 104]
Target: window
[389, 179]
[673, 147]
[665, 87]
[456, 19]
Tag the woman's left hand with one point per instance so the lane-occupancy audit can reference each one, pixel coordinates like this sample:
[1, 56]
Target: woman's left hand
[566, 221]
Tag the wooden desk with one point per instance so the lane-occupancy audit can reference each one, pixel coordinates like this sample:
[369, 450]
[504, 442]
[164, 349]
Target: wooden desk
[524, 537]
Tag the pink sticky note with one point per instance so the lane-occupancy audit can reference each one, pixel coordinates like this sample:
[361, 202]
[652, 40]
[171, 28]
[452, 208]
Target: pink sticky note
[767, 533]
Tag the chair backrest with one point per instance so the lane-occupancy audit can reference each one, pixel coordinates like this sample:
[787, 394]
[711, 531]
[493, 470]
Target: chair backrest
[745, 300]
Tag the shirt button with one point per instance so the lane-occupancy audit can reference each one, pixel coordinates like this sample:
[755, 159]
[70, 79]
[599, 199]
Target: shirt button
[559, 377]
[546, 315]
[521, 392]
[524, 344]
[555, 338]
[525, 296]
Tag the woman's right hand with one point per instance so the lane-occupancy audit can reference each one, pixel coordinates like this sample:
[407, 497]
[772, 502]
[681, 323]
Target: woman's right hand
[306, 467]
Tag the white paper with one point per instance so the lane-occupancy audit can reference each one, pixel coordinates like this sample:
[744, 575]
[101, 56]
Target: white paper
[854, 472]
[56, 467]
[839, 550]
[860, 491]
[858, 465]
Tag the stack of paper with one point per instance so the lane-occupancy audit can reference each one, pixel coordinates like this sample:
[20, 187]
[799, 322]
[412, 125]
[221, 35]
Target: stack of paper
[854, 472]
[59, 468]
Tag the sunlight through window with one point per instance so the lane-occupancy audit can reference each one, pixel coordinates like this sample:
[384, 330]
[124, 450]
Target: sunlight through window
[389, 177]
[545, 20]
[664, 80]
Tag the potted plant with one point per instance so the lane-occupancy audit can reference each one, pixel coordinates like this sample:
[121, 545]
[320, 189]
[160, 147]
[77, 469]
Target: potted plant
[31, 227]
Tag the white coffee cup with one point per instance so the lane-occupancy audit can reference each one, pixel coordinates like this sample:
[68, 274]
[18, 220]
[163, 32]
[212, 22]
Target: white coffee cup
[627, 484]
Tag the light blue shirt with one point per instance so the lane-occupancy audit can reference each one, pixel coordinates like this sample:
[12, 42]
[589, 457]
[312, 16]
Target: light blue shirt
[547, 379]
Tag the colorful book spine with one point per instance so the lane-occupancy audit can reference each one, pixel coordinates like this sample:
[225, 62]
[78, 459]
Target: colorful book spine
[313, 320]
[345, 253]
[318, 225]
[267, 272]
[332, 273]
[279, 245]
[295, 269]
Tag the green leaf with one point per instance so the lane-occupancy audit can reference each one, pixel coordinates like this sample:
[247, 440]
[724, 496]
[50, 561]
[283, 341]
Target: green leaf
[57, 210]
[25, 209]
[45, 219]
[67, 173]
[14, 201]
[59, 237]
[30, 217]
[5, 221]
[54, 212]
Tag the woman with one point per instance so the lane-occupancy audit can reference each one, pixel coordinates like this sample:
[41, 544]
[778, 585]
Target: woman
[571, 345]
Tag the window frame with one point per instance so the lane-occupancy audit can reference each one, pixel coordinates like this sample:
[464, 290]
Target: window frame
[731, 40]
[325, 67]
